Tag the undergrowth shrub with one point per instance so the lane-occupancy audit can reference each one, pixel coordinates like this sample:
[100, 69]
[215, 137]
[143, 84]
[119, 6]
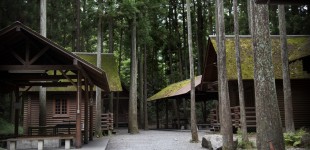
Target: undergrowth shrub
[294, 139]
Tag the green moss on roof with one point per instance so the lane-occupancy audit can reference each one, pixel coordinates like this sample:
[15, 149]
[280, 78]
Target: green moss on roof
[174, 89]
[108, 65]
[169, 90]
[295, 43]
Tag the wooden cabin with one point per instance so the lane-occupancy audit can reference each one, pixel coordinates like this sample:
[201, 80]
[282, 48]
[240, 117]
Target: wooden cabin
[60, 103]
[29, 60]
[300, 77]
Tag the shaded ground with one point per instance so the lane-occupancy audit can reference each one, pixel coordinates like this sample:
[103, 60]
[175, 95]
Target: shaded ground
[154, 140]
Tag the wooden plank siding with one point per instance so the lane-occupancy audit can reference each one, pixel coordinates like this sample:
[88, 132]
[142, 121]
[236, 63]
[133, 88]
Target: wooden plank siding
[31, 110]
[300, 94]
[31, 115]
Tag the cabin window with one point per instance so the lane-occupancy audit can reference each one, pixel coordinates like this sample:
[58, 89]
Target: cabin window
[60, 107]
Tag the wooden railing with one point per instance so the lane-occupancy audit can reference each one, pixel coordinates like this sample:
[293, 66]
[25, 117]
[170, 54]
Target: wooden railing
[235, 116]
[107, 122]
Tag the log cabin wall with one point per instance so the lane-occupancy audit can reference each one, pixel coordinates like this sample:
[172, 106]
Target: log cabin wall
[31, 109]
[300, 94]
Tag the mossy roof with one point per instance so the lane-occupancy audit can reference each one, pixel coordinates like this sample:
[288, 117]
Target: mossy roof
[175, 89]
[295, 45]
[108, 65]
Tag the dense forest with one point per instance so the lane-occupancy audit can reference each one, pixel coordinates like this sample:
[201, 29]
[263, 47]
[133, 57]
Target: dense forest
[161, 29]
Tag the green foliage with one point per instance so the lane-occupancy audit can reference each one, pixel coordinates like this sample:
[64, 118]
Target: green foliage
[8, 128]
[244, 144]
[294, 139]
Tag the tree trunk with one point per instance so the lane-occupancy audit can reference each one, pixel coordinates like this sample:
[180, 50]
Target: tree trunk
[77, 42]
[200, 36]
[132, 114]
[141, 99]
[111, 50]
[98, 90]
[192, 75]
[42, 90]
[269, 128]
[225, 115]
[146, 123]
[288, 107]
[239, 72]
[184, 42]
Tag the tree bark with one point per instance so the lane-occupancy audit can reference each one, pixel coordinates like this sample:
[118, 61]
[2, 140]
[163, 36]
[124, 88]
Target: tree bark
[77, 42]
[111, 50]
[192, 75]
[184, 42]
[42, 90]
[132, 114]
[141, 99]
[239, 72]
[146, 123]
[269, 128]
[98, 90]
[226, 124]
[288, 107]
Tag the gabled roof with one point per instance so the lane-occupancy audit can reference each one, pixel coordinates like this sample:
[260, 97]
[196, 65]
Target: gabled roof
[109, 65]
[295, 43]
[23, 49]
[175, 89]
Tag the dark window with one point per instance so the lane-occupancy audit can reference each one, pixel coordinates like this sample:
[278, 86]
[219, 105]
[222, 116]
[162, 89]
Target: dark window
[60, 106]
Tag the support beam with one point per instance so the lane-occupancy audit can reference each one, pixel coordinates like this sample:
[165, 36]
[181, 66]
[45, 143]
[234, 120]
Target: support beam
[91, 113]
[36, 67]
[38, 55]
[157, 115]
[167, 119]
[69, 79]
[18, 58]
[78, 137]
[17, 110]
[75, 63]
[86, 106]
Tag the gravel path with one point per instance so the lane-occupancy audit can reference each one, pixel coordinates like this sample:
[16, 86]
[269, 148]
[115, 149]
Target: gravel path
[154, 140]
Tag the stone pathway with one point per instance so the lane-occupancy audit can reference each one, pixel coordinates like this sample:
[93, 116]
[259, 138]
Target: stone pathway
[154, 140]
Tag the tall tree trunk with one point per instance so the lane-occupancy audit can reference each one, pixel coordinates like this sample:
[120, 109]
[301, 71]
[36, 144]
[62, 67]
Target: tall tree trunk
[132, 114]
[111, 50]
[288, 107]
[249, 11]
[226, 126]
[77, 42]
[42, 90]
[269, 128]
[192, 74]
[146, 123]
[239, 72]
[141, 99]
[200, 36]
[184, 42]
[119, 73]
[98, 90]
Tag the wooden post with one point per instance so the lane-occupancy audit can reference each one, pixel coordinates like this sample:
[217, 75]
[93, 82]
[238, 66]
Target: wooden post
[116, 110]
[157, 114]
[86, 105]
[178, 115]
[78, 137]
[166, 103]
[91, 113]
[17, 108]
